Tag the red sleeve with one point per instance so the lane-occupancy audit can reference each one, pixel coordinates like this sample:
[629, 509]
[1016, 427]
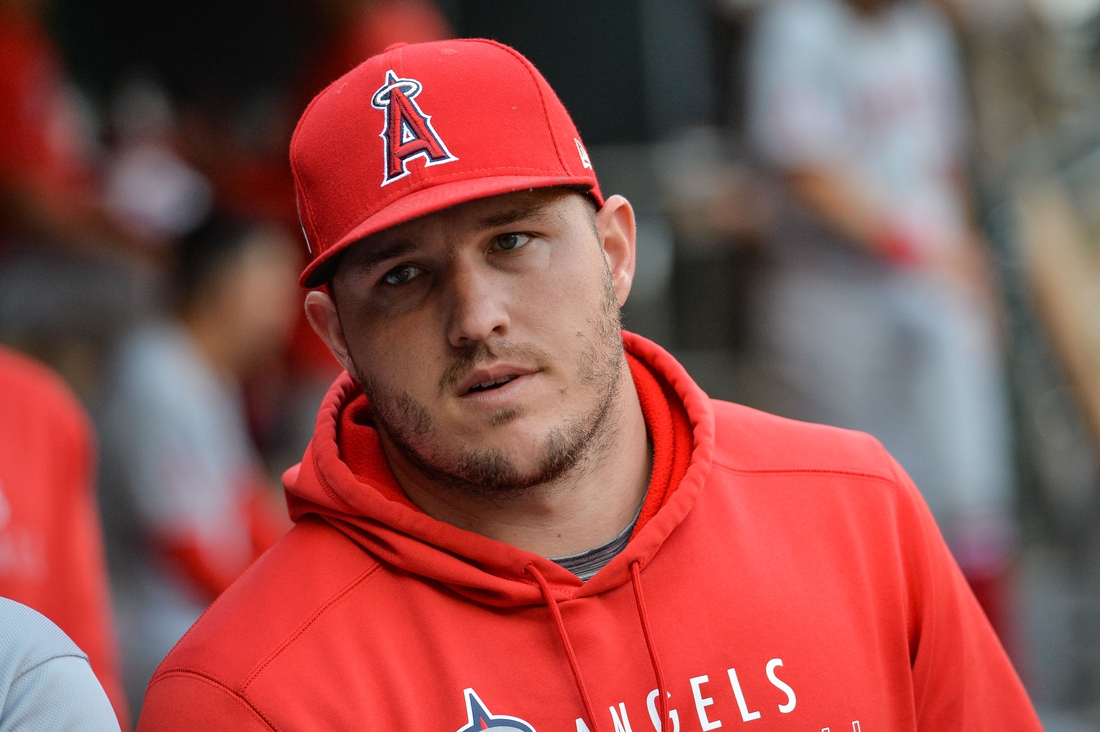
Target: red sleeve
[194, 561]
[183, 702]
[962, 678]
[207, 569]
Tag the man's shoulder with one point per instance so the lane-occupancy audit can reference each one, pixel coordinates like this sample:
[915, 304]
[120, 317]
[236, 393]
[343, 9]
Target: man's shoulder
[46, 681]
[750, 441]
[283, 595]
[30, 639]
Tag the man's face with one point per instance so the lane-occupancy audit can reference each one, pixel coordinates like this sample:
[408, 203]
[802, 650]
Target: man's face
[487, 338]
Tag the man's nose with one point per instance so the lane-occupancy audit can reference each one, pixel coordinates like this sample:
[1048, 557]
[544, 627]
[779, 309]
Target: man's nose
[476, 305]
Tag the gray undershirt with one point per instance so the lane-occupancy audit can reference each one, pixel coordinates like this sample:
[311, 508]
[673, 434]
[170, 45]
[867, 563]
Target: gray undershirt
[585, 564]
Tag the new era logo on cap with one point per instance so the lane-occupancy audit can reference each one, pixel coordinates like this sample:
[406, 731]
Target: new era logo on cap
[421, 128]
[583, 153]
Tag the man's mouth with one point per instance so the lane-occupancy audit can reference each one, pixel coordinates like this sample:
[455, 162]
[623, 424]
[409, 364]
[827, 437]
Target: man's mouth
[491, 378]
[494, 384]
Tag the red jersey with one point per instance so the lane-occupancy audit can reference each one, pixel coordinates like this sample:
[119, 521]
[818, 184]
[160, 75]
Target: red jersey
[51, 549]
[792, 578]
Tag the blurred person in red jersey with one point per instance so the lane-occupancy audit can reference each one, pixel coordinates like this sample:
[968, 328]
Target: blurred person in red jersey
[51, 546]
[187, 503]
[881, 313]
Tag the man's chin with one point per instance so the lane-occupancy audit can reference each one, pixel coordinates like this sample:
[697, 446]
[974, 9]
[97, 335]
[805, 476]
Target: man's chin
[506, 416]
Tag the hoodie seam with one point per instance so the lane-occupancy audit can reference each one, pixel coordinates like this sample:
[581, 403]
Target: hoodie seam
[804, 471]
[307, 624]
[222, 686]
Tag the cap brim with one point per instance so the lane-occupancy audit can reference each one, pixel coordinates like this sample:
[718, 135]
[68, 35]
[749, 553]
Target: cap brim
[430, 200]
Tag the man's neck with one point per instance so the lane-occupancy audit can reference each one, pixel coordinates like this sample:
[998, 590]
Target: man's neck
[588, 506]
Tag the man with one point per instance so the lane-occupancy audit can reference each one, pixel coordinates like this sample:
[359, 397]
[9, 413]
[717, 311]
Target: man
[187, 503]
[506, 520]
[879, 315]
[51, 545]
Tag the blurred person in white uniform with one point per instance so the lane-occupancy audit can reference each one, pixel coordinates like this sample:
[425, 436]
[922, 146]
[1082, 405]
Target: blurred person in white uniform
[880, 314]
[187, 505]
[46, 682]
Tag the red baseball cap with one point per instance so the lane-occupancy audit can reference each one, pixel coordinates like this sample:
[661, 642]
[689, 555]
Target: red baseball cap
[421, 128]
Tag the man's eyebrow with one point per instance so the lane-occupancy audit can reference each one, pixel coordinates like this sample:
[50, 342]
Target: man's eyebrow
[517, 212]
[376, 256]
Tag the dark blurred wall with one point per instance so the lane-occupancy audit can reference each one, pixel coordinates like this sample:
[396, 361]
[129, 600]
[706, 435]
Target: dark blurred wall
[629, 71]
[217, 49]
[590, 52]
[678, 64]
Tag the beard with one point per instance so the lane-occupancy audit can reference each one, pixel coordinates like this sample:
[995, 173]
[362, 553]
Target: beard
[579, 441]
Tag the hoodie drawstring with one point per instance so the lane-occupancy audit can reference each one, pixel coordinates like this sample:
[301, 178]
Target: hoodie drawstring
[636, 583]
[556, 612]
[662, 690]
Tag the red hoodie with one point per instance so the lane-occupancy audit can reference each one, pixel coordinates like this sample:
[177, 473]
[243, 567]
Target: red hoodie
[792, 580]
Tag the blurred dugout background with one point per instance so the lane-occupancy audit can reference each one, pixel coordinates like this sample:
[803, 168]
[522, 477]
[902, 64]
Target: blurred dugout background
[128, 124]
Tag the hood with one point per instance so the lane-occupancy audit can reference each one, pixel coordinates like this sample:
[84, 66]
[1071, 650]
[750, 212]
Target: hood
[374, 513]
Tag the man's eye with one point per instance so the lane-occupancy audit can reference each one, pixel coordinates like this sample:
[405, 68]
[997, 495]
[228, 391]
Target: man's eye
[507, 242]
[401, 274]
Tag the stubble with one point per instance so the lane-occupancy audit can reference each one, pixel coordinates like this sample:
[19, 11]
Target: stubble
[579, 443]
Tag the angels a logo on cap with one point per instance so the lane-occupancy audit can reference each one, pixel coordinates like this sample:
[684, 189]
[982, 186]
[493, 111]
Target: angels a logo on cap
[408, 132]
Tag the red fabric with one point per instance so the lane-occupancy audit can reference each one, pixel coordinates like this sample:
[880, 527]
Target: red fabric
[795, 574]
[38, 144]
[193, 561]
[255, 187]
[51, 547]
[307, 355]
[670, 432]
[898, 247]
[521, 138]
[210, 571]
[995, 593]
[361, 449]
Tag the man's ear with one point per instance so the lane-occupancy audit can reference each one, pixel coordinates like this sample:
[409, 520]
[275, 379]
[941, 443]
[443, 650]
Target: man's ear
[321, 313]
[615, 224]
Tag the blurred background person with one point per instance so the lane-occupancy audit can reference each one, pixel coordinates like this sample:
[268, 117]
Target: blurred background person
[190, 506]
[51, 546]
[45, 680]
[881, 313]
